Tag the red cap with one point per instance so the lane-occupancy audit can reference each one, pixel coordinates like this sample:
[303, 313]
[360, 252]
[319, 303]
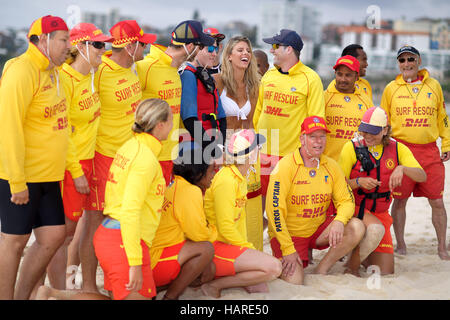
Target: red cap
[349, 61]
[213, 32]
[313, 123]
[87, 32]
[47, 24]
[127, 31]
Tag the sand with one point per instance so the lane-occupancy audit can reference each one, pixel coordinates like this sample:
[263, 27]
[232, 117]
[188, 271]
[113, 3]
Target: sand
[418, 275]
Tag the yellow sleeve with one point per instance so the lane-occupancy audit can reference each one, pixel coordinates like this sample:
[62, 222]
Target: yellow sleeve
[276, 206]
[347, 158]
[17, 88]
[140, 174]
[315, 100]
[225, 196]
[342, 194]
[406, 157]
[443, 121]
[258, 107]
[386, 101]
[192, 217]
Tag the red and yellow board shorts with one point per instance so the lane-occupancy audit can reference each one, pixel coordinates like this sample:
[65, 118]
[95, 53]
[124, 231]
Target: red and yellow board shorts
[111, 255]
[224, 257]
[167, 167]
[268, 163]
[429, 158]
[75, 202]
[167, 268]
[100, 176]
[303, 244]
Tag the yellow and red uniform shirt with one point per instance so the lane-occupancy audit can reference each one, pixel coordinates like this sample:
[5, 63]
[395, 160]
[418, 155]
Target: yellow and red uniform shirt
[343, 113]
[182, 218]
[416, 110]
[225, 206]
[363, 85]
[284, 101]
[160, 80]
[34, 131]
[120, 93]
[134, 193]
[298, 198]
[84, 113]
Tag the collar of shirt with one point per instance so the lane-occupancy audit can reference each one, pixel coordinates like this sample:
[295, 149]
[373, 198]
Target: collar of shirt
[236, 172]
[37, 57]
[150, 141]
[299, 160]
[106, 58]
[422, 73]
[73, 73]
[157, 52]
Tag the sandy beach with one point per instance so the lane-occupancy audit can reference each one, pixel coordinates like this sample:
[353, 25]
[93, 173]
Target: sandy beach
[418, 275]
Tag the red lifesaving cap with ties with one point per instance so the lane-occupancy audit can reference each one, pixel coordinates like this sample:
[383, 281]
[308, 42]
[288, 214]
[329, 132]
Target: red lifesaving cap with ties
[47, 24]
[313, 123]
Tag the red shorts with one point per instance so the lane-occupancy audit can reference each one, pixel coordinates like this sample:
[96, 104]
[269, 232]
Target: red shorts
[100, 176]
[429, 157]
[167, 167]
[75, 202]
[386, 245]
[111, 255]
[167, 268]
[303, 244]
[268, 163]
[224, 257]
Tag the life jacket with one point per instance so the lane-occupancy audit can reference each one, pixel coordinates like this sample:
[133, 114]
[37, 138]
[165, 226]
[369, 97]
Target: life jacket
[207, 98]
[377, 199]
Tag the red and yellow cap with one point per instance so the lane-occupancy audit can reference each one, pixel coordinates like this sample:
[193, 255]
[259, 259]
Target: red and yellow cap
[87, 32]
[128, 31]
[47, 24]
[213, 32]
[313, 123]
[349, 61]
[373, 120]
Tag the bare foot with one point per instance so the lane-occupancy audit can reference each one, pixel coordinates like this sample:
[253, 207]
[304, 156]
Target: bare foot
[257, 288]
[210, 291]
[443, 254]
[401, 250]
[43, 293]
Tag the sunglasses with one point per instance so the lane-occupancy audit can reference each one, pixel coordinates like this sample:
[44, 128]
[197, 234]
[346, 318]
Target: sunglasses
[211, 49]
[275, 46]
[143, 44]
[410, 59]
[97, 44]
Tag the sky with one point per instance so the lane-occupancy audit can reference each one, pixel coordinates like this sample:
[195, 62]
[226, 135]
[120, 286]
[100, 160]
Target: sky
[163, 13]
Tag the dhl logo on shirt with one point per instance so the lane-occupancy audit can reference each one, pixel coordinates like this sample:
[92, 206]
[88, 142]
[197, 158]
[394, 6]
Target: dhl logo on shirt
[275, 111]
[121, 81]
[311, 213]
[419, 122]
[168, 82]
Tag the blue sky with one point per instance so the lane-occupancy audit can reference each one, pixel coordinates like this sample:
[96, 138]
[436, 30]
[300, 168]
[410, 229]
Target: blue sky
[162, 13]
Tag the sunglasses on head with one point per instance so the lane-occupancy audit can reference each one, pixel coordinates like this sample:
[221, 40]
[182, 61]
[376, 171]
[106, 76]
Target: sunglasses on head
[410, 59]
[97, 44]
[213, 48]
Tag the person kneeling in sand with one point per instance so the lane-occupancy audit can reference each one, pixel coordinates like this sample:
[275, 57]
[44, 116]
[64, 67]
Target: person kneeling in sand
[237, 262]
[301, 188]
[182, 249]
[374, 165]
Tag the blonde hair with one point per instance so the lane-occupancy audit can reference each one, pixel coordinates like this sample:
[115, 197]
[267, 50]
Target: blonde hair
[251, 75]
[149, 113]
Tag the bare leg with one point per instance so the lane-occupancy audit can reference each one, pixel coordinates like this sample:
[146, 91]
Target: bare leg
[384, 260]
[57, 268]
[194, 257]
[73, 256]
[88, 259]
[439, 219]
[353, 233]
[47, 293]
[398, 213]
[252, 267]
[11, 249]
[37, 258]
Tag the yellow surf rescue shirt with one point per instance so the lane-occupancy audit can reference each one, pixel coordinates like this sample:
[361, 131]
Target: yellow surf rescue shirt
[416, 110]
[182, 218]
[84, 113]
[160, 80]
[34, 131]
[225, 206]
[343, 113]
[298, 198]
[120, 94]
[284, 101]
[134, 193]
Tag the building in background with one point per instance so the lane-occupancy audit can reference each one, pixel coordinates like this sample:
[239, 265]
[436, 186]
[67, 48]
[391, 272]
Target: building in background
[104, 21]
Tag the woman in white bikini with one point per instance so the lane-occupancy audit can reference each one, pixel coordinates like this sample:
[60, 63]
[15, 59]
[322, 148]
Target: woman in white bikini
[238, 85]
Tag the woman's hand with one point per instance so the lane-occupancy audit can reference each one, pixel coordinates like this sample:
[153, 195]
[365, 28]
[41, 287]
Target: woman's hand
[136, 279]
[368, 183]
[396, 178]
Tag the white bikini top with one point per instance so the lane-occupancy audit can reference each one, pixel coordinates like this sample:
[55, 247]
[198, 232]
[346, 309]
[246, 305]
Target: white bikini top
[232, 109]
